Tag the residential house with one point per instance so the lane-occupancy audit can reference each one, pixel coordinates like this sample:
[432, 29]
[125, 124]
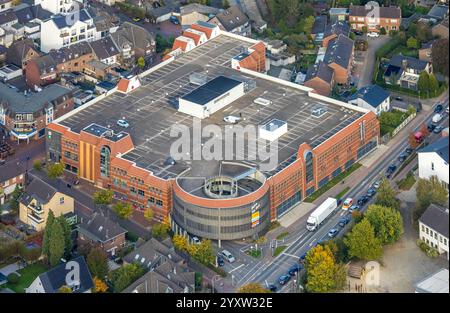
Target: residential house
[41, 72]
[59, 276]
[25, 115]
[20, 52]
[32, 16]
[433, 160]
[388, 18]
[441, 29]
[438, 12]
[320, 77]
[99, 70]
[5, 5]
[63, 31]
[134, 42]
[233, 20]
[10, 178]
[373, 98]
[37, 201]
[433, 228]
[425, 51]
[333, 31]
[194, 12]
[338, 14]
[58, 7]
[6, 38]
[7, 20]
[105, 23]
[437, 282]
[339, 56]
[318, 29]
[105, 50]
[405, 71]
[101, 232]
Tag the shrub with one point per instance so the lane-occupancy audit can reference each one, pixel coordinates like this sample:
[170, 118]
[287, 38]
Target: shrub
[429, 251]
[383, 31]
[13, 278]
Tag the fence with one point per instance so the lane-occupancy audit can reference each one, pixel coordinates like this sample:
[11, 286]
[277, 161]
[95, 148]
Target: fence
[389, 136]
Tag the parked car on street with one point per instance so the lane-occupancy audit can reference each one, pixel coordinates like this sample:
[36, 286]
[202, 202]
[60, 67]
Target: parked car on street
[123, 123]
[344, 221]
[363, 200]
[228, 256]
[333, 232]
[371, 192]
[409, 150]
[402, 157]
[220, 261]
[283, 279]
[354, 208]
[438, 129]
[438, 108]
[272, 287]
[294, 269]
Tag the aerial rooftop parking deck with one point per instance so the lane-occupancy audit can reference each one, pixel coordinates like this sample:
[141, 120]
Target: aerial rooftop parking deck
[151, 112]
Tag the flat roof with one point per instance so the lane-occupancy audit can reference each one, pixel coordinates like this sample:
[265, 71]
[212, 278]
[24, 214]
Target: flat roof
[435, 283]
[211, 90]
[151, 115]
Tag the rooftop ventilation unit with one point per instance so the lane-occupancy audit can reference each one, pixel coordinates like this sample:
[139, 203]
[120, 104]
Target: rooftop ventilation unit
[262, 101]
[273, 130]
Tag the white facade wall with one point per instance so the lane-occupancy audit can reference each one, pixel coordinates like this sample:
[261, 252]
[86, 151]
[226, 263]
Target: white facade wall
[433, 239]
[383, 107]
[430, 163]
[56, 6]
[5, 6]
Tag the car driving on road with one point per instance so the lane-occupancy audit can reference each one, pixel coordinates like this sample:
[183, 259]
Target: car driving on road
[344, 221]
[294, 269]
[228, 256]
[347, 204]
[371, 192]
[333, 232]
[354, 208]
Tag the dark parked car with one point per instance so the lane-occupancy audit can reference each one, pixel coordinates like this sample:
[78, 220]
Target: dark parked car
[371, 192]
[354, 208]
[283, 279]
[220, 261]
[390, 170]
[294, 269]
[409, 150]
[344, 221]
[438, 108]
[339, 202]
[359, 33]
[402, 157]
[169, 161]
[362, 200]
[302, 258]
[272, 287]
[431, 127]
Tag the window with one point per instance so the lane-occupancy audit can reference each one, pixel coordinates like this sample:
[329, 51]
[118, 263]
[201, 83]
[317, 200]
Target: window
[432, 166]
[105, 159]
[61, 200]
[309, 166]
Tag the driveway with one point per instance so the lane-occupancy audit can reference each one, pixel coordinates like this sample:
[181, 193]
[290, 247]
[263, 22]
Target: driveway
[369, 62]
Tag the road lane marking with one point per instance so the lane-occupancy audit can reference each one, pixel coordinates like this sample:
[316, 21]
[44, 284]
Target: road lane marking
[236, 268]
[291, 255]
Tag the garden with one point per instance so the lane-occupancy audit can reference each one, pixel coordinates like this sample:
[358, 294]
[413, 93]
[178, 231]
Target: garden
[27, 275]
[389, 121]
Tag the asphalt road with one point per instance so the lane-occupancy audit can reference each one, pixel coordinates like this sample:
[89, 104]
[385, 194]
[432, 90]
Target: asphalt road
[269, 271]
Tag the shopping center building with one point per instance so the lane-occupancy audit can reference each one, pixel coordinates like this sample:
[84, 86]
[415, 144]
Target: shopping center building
[227, 198]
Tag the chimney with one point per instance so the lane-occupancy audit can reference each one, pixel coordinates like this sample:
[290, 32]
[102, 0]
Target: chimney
[404, 64]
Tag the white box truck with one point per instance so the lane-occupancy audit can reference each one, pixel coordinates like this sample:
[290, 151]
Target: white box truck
[321, 213]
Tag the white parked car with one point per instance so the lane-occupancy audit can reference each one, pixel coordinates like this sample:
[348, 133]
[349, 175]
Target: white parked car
[123, 123]
[373, 34]
[195, 240]
[231, 119]
[228, 256]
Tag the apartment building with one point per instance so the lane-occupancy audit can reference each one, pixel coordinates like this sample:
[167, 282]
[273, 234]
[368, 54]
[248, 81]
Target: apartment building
[405, 71]
[37, 201]
[388, 18]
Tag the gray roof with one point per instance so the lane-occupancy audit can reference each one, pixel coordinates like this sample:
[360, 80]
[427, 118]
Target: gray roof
[440, 146]
[211, 90]
[55, 278]
[320, 24]
[32, 102]
[61, 21]
[38, 190]
[337, 28]
[232, 18]
[100, 228]
[385, 12]
[413, 63]
[436, 218]
[339, 51]
[133, 35]
[19, 49]
[46, 64]
[29, 13]
[152, 253]
[438, 11]
[104, 48]
[320, 70]
[69, 53]
[373, 95]
[435, 283]
[7, 17]
[338, 11]
[199, 8]
[8, 172]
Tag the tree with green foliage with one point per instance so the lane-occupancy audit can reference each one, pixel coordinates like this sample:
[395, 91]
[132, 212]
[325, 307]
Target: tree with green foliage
[424, 33]
[97, 261]
[225, 4]
[364, 29]
[141, 62]
[37, 165]
[57, 244]
[55, 170]
[148, 214]
[308, 25]
[424, 82]
[430, 191]
[103, 197]
[339, 249]
[439, 55]
[124, 276]
[362, 242]
[434, 84]
[253, 288]
[67, 231]
[180, 242]
[203, 252]
[322, 272]
[48, 234]
[160, 231]
[412, 43]
[386, 195]
[387, 223]
[383, 31]
[124, 210]
[14, 202]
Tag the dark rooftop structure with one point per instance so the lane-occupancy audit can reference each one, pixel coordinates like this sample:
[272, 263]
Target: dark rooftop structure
[55, 278]
[410, 62]
[385, 12]
[373, 95]
[18, 51]
[104, 48]
[100, 228]
[153, 253]
[38, 190]
[337, 28]
[320, 24]
[440, 146]
[29, 13]
[438, 11]
[211, 90]
[339, 51]
[232, 18]
[436, 218]
[66, 54]
[320, 70]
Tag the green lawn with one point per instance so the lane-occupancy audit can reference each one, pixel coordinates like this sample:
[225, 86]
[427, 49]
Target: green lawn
[282, 235]
[254, 253]
[342, 193]
[407, 182]
[278, 250]
[332, 183]
[27, 276]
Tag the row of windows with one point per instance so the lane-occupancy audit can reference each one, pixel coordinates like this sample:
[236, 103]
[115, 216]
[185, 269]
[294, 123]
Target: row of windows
[292, 180]
[432, 233]
[70, 145]
[152, 201]
[136, 180]
[71, 156]
[286, 205]
[119, 171]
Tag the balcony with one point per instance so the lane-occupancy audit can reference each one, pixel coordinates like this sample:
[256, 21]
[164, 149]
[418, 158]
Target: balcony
[35, 218]
[23, 133]
[62, 35]
[36, 208]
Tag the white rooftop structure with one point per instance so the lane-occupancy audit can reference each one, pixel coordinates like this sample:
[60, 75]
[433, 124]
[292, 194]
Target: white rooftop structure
[436, 283]
[273, 130]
